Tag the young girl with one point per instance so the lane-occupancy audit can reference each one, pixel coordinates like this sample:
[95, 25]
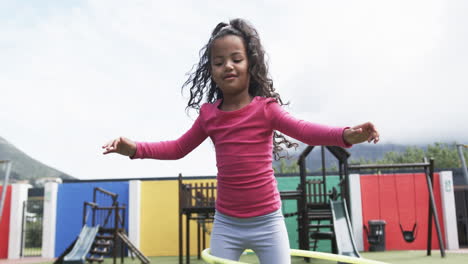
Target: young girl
[241, 114]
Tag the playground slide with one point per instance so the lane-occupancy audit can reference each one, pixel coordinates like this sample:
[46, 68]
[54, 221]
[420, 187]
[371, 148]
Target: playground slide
[82, 246]
[343, 231]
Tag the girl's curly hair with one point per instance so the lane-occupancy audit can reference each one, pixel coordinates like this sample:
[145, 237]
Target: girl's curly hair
[202, 86]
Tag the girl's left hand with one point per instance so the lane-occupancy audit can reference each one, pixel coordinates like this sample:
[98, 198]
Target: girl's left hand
[361, 133]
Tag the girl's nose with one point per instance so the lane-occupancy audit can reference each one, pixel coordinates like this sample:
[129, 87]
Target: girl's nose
[229, 66]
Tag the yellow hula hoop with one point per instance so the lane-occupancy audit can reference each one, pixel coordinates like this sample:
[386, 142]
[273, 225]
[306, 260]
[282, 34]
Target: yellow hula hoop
[208, 258]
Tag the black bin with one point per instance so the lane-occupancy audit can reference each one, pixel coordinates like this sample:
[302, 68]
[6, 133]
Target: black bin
[376, 235]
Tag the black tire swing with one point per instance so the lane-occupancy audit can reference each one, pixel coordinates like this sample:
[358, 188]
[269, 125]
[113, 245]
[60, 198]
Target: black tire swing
[408, 235]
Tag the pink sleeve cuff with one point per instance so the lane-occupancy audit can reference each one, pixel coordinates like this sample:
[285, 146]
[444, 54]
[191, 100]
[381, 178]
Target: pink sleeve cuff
[345, 144]
[137, 155]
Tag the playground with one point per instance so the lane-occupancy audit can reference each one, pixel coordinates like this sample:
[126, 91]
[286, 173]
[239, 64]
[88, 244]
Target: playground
[386, 213]
[325, 131]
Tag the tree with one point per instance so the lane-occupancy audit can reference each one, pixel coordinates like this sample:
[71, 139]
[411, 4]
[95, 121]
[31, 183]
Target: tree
[445, 155]
[284, 167]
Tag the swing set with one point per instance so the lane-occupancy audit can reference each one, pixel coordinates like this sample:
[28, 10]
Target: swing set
[409, 235]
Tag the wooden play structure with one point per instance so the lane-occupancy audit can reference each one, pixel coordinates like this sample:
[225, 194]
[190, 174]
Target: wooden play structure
[315, 218]
[103, 233]
[196, 203]
[322, 212]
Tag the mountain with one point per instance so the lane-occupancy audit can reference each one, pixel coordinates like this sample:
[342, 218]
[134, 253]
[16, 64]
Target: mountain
[24, 167]
[369, 152]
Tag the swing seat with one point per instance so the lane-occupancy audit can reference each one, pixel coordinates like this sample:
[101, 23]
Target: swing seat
[409, 235]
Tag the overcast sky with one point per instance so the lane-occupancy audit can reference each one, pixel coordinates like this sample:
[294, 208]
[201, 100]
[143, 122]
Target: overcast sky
[75, 74]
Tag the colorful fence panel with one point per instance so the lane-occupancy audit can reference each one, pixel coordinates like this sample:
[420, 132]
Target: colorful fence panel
[5, 224]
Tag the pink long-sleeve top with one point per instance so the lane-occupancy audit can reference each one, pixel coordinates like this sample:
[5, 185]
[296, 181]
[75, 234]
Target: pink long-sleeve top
[243, 141]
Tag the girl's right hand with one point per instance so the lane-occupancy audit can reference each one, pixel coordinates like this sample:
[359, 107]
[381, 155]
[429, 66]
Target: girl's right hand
[121, 145]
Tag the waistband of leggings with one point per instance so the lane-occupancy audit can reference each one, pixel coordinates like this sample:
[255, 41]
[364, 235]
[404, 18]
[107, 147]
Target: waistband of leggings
[276, 213]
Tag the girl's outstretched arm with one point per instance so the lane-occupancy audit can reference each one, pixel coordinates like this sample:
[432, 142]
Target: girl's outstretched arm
[361, 133]
[120, 145]
[318, 134]
[162, 150]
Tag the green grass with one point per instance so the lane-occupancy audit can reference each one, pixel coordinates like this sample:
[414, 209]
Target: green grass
[394, 257]
[32, 251]
[416, 256]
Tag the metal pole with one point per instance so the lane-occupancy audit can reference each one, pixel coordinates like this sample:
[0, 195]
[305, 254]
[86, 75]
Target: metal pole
[433, 211]
[181, 253]
[302, 210]
[5, 185]
[324, 173]
[347, 188]
[23, 231]
[388, 166]
[116, 212]
[187, 240]
[430, 211]
[463, 162]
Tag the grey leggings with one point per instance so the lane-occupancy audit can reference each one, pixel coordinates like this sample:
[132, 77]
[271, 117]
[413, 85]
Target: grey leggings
[266, 235]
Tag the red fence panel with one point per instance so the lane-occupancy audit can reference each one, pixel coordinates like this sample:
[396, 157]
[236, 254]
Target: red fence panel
[5, 224]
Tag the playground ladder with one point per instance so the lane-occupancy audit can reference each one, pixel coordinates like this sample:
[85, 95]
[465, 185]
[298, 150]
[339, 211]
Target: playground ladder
[132, 247]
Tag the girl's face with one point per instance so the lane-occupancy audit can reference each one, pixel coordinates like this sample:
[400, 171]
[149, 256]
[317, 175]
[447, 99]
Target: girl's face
[230, 65]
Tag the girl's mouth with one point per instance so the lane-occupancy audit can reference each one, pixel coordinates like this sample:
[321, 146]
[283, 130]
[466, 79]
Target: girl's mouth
[230, 77]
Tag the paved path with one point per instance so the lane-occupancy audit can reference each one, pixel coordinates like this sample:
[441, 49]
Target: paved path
[25, 260]
[461, 250]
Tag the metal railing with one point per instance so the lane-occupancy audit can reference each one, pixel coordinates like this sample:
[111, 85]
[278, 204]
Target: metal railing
[31, 239]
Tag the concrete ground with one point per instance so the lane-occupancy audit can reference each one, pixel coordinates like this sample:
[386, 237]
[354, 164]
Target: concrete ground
[27, 260]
